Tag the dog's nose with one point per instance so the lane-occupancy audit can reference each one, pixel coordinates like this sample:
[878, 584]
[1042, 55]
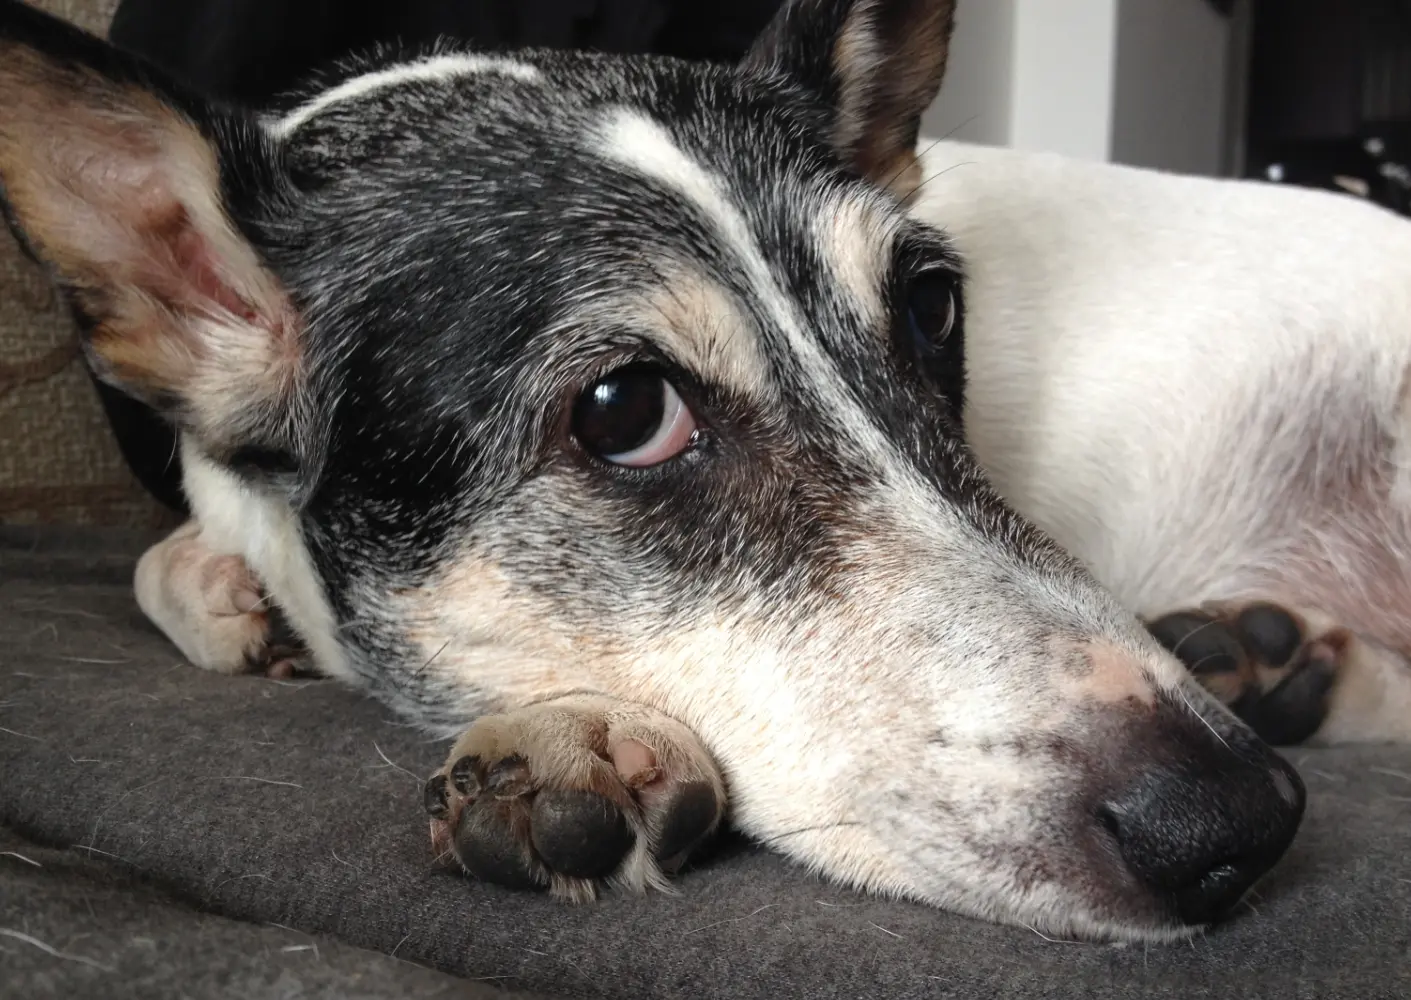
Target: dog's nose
[1201, 828]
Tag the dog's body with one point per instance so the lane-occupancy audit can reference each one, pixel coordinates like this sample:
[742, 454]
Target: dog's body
[1199, 388]
[622, 398]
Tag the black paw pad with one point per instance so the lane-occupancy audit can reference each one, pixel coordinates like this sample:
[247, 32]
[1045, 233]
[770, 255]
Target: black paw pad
[468, 776]
[690, 815]
[1204, 644]
[580, 833]
[434, 796]
[491, 845]
[1293, 710]
[1270, 633]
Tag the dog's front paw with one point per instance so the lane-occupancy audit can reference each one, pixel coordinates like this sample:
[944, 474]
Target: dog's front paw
[1273, 668]
[573, 795]
[211, 607]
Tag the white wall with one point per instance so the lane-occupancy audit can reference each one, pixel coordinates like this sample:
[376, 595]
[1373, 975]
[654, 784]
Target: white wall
[1064, 64]
[1138, 81]
[975, 100]
[1173, 60]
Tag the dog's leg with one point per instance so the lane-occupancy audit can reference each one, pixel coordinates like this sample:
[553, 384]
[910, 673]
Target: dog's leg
[1293, 675]
[573, 794]
[211, 606]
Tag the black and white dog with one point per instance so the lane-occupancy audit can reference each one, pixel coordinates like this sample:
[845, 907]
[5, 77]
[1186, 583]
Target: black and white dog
[613, 408]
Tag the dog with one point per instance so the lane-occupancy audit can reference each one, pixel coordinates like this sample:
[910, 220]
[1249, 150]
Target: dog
[693, 439]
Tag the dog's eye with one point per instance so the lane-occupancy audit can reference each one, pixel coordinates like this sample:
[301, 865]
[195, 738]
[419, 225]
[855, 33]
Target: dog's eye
[930, 305]
[633, 417]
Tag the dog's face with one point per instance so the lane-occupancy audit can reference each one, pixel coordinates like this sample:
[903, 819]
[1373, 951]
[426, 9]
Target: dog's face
[540, 373]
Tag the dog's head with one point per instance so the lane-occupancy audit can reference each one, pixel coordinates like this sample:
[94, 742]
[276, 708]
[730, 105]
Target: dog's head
[530, 373]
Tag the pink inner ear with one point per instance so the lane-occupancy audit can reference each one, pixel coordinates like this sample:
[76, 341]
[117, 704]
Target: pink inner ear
[196, 265]
[132, 176]
[121, 194]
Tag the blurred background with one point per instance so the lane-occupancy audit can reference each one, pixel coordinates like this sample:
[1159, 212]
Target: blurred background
[1302, 91]
[1314, 92]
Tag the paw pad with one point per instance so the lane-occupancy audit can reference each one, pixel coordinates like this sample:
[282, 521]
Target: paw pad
[580, 833]
[1260, 661]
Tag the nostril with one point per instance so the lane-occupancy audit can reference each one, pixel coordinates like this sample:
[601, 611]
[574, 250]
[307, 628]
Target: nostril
[1213, 894]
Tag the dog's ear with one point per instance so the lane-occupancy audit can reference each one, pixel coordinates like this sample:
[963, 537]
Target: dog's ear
[877, 63]
[122, 187]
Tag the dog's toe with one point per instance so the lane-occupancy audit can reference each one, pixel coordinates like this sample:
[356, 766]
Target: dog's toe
[1293, 709]
[1271, 634]
[211, 605]
[436, 797]
[679, 814]
[1201, 641]
[691, 813]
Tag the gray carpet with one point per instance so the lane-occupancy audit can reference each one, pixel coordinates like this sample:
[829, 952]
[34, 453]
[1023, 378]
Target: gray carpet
[74, 925]
[298, 804]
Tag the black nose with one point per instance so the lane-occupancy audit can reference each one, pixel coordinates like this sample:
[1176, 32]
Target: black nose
[1202, 828]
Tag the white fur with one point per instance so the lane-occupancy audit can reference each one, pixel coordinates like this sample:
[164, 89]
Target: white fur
[1122, 326]
[433, 69]
[239, 520]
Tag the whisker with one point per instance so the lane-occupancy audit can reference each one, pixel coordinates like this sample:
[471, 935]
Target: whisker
[893, 179]
[954, 130]
[393, 764]
[807, 829]
[421, 669]
[1203, 719]
[963, 163]
[1175, 651]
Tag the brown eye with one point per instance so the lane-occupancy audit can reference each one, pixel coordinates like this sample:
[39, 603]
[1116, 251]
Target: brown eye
[633, 417]
[930, 305]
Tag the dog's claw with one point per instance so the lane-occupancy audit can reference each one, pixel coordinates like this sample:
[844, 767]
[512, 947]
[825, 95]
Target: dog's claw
[510, 778]
[466, 776]
[435, 797]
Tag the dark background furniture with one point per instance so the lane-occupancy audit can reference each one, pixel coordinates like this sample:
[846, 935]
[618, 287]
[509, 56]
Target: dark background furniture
[1329, 96]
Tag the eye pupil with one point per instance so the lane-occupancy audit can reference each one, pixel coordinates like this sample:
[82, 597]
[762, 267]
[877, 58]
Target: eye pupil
[931, 309]
[621, 412]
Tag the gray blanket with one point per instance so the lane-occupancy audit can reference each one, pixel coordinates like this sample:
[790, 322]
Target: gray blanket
[204, 836]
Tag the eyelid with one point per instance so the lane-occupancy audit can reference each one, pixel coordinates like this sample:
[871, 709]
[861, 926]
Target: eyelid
[919, 248]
